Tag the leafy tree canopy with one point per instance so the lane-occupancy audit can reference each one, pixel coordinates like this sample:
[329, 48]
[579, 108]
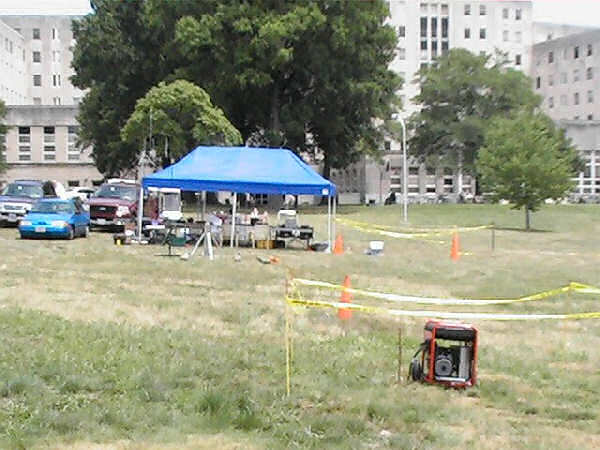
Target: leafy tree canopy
[526, 159]
[459, 94]
[3, 130]
[307, 75]
[182, 116]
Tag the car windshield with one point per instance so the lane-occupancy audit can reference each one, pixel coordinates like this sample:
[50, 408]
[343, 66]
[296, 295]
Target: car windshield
[117, 191]
[53, 208]
[24, 190]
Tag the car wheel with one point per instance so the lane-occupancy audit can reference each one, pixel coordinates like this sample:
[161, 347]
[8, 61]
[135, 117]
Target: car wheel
[71, 234]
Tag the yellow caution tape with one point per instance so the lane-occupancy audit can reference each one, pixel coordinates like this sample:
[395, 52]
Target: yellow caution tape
[407, 232]
[571, 287]
[441, 314]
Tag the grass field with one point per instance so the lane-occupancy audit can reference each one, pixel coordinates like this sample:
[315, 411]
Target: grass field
[113, 347]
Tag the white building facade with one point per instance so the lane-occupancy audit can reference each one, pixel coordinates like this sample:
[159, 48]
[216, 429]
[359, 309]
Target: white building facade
[13, 87]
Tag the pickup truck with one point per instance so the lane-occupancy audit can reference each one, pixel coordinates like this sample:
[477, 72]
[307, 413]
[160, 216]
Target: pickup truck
[113, 205]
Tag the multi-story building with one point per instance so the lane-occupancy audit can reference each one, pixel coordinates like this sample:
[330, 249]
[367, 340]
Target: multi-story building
[41, 101]
[566, 73]
[13, 87]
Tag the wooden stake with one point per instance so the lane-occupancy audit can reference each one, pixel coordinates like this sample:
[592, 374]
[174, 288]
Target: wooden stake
[493, 237]
[399, 375]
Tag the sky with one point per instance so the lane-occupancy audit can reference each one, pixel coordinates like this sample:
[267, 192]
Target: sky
[574, 12]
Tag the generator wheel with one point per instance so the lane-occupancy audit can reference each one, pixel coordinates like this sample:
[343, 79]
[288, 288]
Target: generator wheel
[415, 371]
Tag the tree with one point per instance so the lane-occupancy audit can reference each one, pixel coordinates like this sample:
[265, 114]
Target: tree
[308, 75]
[459, 95]
[3, 130]
[182, 117]
[526, 160]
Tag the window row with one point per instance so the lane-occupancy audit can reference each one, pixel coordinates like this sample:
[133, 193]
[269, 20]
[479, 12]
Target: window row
[589, 75]
[49, 147]
[37, 56]
[433, 27]
[433, 9]
[576, 53]
[564, 101]
[37, 35]
[37, 80]
[483, 11]
[482, 33]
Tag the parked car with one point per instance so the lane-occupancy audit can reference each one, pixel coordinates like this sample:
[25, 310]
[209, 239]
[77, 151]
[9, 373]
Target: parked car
[56, 218]
[83, 193]
[18, 197]
[114, 204]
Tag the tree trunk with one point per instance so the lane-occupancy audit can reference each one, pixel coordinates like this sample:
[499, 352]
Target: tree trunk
[275, 119]
[527, 218]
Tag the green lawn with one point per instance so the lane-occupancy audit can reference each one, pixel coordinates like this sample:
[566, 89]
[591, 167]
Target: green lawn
[113, 346]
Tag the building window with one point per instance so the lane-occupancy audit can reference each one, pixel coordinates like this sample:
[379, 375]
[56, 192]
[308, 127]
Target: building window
[589, 50]
[563, 100]
[591, 117]
[518, 14]
[467, 33]
[444, 9]
[36, 33]
[576, 98]
[577, 118]
[505, 13]
[551, 79]
[402, 31]
[56, 80]
[505, 35]
[37, 100]
[24, 153]
[444, 27]
[518, 37]
[434, 27]
[482, 10]
[563, 78]
[72, 149]
[575, 75]
[444, 47]
[49, 134]
[482, 33]
[423, 49]
[24, 135]
[538, 82]
[49, 153]
[549, 37]
[517, 60]
[56, 101]
[54, 33]
[551, 102]
[387, 146]
[589, 73]
[550, 57]
[576, 52]
[55, 56]
[423, 8]
[37, 80]
[37, 57]
[423, 27]
[401, 53]
[434, 49]
[467, 10]
[590, 96]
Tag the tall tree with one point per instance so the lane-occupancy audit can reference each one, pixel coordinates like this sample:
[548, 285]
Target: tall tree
[182, 116]
[526, 160]
[458, 96]
[3, 130]
[281, 71]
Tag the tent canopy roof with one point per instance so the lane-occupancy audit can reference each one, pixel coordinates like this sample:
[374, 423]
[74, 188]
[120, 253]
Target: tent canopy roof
[253, 170]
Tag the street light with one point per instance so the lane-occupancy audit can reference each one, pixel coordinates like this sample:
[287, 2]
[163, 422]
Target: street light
[404, 169]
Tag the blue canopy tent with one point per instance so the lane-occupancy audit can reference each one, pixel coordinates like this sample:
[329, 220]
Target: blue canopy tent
[253, 170]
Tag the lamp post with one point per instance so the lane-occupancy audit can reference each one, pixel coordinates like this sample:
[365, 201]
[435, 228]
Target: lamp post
[404, 172]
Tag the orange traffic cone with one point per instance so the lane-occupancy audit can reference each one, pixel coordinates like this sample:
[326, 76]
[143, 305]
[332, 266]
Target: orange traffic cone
[345, 314]
[455, 251]
[338, 247]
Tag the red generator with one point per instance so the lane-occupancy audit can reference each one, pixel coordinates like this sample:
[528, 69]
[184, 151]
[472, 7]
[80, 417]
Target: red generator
[448, 355]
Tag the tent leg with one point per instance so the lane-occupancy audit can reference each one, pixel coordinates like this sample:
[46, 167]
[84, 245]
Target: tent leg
[333, 220]
[329, 222]
[140, 213]
[233, 219]
[203, 205]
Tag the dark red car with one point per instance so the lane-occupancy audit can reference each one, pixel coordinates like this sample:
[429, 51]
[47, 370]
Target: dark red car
[114, 205]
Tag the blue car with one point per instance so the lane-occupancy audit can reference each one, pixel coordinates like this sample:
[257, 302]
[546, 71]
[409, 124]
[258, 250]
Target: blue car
[55, 218]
